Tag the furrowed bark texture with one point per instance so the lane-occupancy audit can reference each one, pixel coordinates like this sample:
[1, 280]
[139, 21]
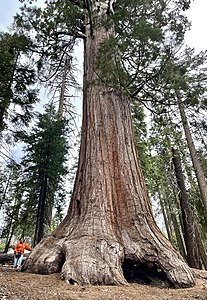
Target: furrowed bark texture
[109, 221]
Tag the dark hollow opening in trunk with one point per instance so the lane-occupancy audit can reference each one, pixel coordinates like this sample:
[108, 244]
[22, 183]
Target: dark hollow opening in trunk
[134, 272]
[61, 262]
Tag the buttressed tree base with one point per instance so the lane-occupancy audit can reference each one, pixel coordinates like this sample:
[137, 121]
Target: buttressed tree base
[109, 235]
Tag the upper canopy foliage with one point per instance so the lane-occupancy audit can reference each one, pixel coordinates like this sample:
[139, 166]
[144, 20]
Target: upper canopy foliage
[145, 35]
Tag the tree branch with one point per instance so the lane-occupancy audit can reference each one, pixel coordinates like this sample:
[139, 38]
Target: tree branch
[76, 2]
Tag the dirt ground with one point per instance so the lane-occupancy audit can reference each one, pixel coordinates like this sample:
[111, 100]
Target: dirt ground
[22, 286]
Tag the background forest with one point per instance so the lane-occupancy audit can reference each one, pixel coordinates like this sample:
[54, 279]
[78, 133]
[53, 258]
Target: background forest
[166, 81]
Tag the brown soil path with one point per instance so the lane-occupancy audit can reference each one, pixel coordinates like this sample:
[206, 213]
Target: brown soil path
[22, 286]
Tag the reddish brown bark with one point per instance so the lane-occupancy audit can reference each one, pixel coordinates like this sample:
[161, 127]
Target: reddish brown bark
[109, 231]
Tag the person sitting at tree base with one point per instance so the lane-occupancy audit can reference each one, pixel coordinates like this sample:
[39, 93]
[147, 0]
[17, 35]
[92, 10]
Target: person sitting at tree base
[19, 252]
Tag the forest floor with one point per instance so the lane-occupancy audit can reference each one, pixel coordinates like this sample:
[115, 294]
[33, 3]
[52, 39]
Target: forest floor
[22, 286]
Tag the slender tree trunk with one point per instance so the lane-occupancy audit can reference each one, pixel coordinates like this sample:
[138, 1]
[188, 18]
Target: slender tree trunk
[5, 191]
[109, 230]
[10, 233]
[2, 112]
[196, 164]
[49, 208]
[62, 92]
[40, 223]
[187, 215]
[165, 216]
[171, 208]
[171, 224]
[201, 249]
[178, 232]
[8, 242]
[178, 224]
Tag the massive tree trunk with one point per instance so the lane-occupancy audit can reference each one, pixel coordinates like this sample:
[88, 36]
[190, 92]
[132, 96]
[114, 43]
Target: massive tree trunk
[109, 235]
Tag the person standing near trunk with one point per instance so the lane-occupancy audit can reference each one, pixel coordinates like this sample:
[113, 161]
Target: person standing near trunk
[19, 252]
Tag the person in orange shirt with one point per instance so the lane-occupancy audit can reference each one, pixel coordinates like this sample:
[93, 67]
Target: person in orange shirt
[19, 252]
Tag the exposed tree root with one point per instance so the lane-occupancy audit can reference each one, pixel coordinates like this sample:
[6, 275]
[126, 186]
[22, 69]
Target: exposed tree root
[89, 260]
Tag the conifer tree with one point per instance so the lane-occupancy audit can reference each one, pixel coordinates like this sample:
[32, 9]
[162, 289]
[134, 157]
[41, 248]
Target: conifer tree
[109, 224]
[44, 167]
[17, 78]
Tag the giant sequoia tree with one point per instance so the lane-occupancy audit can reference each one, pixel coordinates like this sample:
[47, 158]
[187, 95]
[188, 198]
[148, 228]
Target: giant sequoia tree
[109, 233]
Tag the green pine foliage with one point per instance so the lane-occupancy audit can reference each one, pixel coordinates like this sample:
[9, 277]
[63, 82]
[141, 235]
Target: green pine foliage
[17, 78]
[53, 43]
[12, 202]
[147, 34]
[45, 154]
